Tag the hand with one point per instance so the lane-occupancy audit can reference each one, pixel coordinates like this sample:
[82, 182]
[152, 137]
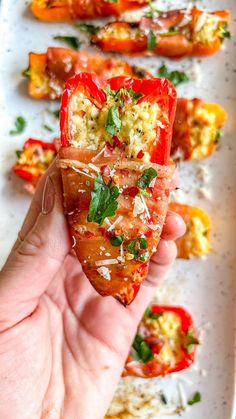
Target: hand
[62, 346]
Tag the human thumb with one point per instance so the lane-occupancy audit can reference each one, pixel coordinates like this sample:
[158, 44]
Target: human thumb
[37, 255]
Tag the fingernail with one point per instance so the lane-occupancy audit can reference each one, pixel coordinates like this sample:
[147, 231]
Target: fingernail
[48, 196]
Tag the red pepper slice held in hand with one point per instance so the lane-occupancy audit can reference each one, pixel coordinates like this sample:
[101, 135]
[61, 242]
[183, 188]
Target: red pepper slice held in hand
[105, 124]
[165, 342]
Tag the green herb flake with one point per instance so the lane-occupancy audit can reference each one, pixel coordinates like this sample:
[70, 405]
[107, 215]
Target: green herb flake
[171, 32]
[113, 120]
[190, 341]
[103, 201]
[71, 41]
[153, 11]
[111, 1]
[26, 73]
[18, 153]
[20, 124]
[47, 127]
[176, 77]
[146, 178]
[196, 398]
[87, 28]
[151, 40]
[116, 240]
[218, 135]
[224, 32]
[134, 95]
[109, 91]
[151, 315]
[135, 246]
[141, 350]
[56, 113]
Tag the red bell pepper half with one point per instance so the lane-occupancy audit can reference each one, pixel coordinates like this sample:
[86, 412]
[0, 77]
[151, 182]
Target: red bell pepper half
[34, 159]
[165, 342]
[157, 90]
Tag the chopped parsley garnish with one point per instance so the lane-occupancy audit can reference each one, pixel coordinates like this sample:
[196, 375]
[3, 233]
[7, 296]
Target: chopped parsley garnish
[71, 41]
[103, 200]
[87, 28]
[113, 120]
[218, 135]
[116, 240]
[56, 113]
[146, 178]
[122, 92]
[47, 127]
[190, 341]
[18, 153]
[176, 77]
[151, 40]
[224, 31]
[26, 73]
[171, 32]
[152, 11]
[140, 350]
[135, 246]
[20, 124]
[111, 1]
[196, 398]
[151, 315]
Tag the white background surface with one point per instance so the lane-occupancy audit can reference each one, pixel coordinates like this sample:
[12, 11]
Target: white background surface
[205, 287]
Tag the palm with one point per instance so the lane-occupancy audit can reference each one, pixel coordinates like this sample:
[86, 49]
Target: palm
[77, 340]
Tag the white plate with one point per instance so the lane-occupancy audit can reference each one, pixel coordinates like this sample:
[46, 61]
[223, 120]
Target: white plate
[205, 287]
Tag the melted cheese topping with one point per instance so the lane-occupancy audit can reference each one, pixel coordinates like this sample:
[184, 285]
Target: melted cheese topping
[206, 29]
[138, 124]
[120, 33]
[168, 328]
[36, 156]
[196, 239]
[203, 132]
[39, 80]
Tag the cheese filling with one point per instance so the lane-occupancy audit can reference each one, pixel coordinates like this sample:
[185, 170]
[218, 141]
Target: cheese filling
[196, 238]
[36, 156]
[203, 132]
[206, 29]
[167, 328]
[136, 129]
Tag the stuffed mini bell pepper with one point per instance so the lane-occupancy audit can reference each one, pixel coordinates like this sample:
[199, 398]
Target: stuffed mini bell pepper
[174, 34]
[48, 72]
[114, 160]
[196, 129]
[196, 241]
[64, 10]
[165, 342]
[33, 160]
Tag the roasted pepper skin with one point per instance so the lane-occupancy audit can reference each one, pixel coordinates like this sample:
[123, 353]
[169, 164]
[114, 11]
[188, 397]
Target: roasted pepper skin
[153, 368]
[66, 10]
[176, 45]
[188, 212]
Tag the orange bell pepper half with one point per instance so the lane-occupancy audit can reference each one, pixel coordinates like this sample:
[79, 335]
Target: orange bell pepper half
[196, 129]
[196, 241]
[48, 72]
[165, 342]
[65, 10]
[174, 34]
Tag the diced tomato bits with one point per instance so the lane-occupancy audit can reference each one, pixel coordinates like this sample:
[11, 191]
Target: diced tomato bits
[131, 191]
[88, 234]
[117, 142]
[140, 154]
